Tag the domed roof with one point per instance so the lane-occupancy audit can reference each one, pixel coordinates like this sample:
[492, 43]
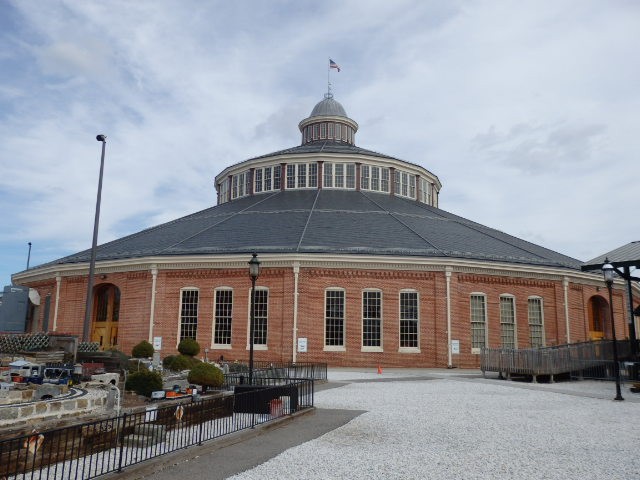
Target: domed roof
[328, 107]
[326, 222]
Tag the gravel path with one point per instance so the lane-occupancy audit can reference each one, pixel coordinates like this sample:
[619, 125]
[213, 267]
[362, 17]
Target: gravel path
[457, 426]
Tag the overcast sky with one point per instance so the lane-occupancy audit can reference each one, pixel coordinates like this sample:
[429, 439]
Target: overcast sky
[526, 110]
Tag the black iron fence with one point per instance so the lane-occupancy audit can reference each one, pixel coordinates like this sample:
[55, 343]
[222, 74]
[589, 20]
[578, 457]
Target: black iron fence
[92, 449]
[282, 371]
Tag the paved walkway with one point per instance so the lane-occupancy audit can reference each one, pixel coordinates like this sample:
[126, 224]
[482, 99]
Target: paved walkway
[220, 459]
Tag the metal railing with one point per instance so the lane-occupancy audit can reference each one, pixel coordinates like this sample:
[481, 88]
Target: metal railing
[92, 449]
[284, 371]
[577, 359]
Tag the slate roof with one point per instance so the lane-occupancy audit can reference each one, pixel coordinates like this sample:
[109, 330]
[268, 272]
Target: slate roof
[625, 256]
[326, 221]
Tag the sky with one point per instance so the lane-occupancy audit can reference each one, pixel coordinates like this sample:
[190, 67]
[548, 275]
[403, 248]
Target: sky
[527, 111]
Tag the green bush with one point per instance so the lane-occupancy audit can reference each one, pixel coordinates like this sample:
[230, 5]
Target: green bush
[144, 382]
[189, 346]
[178, 363]
[207, 375]
[167, 361]
[142, 350]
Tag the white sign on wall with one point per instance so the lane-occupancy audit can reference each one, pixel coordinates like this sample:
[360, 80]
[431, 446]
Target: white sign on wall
[302, 345]
[157, 343]
[455, 347]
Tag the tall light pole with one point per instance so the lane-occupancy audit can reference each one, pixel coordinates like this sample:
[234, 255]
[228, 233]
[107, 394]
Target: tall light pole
[92, 264]
[607, 270]
[29, 256]
[254, 273]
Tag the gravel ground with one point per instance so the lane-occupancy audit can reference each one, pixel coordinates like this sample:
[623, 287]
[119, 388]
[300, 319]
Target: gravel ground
[442, 424]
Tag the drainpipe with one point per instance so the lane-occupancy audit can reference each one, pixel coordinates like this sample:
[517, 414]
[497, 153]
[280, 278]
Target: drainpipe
[55, 310]
[448, 276]
[565, 284]
[152, 309]
[296, 271]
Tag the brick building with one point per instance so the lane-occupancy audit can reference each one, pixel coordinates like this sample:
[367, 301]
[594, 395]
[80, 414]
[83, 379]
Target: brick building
[360, 267]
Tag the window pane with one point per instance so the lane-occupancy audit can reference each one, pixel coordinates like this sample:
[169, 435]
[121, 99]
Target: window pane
[371, 319]
[260, 317]
[507, 322]
[535, 323]
[334, 318]
[408, 319]
[328, 175]
[189, 314]
[478, 321]
[223, 311]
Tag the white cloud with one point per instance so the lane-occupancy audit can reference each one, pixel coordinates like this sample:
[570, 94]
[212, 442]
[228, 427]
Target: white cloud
[525, 111]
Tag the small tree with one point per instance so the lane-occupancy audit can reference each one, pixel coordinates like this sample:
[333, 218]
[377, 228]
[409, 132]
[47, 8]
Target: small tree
[177, 363]
[144, 382]
[142, 350]
[207, 375]
[189, 346]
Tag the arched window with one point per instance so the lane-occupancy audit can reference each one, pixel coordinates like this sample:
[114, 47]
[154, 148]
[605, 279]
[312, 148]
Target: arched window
[508, 321]
[478, 321]
[188, 313]
[223, 316]
[334, 314]
[536, 322]
[409, 320]
[261, 318]
[372, 320]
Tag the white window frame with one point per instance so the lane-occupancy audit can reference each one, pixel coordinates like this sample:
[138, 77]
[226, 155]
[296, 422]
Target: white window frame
[372, 348]
[475, 349]
[182, 291]
[415, 349]
[540, 301]
[257, 346]
[215, 345]
[336, 348]
[513, 323]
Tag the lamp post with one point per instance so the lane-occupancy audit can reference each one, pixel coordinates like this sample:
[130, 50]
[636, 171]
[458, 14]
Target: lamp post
[607, 270]
[92, 263]
[254, 273]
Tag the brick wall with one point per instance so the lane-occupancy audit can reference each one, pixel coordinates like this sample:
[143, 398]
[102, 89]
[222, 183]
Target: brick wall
[134, 323]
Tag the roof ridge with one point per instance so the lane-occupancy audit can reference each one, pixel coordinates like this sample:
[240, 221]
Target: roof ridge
[408, 227]
[304, 230]
[228, 217]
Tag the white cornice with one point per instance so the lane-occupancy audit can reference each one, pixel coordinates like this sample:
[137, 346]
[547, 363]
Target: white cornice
[328, 261]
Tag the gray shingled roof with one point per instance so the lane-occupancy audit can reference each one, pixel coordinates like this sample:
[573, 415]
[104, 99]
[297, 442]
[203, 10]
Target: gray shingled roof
[327, 221]
[625, 256]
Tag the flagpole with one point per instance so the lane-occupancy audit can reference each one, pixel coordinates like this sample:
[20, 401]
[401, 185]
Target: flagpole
[328, 78]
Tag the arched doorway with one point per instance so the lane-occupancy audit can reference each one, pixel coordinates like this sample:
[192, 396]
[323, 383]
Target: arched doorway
[599, 324]
[106, 312]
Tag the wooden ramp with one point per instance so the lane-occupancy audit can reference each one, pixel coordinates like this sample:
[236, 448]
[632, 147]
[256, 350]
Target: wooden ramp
[574, 358]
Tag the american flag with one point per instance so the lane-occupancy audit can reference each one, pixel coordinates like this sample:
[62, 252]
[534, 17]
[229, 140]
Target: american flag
[333, 64]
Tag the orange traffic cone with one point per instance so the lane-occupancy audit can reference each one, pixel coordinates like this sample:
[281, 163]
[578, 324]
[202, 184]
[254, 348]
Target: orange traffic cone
[379, 369]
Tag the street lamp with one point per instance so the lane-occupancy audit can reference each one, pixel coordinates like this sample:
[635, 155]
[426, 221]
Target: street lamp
[607, 271]
[254, 273]
[92, 263]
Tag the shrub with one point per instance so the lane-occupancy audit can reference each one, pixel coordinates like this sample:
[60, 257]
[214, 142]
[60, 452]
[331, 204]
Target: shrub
[189, 346]
[167, 361]
[207, 375]
[142, 350]
[178, 363]
[144, 382]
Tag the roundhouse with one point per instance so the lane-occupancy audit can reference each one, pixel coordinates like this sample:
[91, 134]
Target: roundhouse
[359, 267]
